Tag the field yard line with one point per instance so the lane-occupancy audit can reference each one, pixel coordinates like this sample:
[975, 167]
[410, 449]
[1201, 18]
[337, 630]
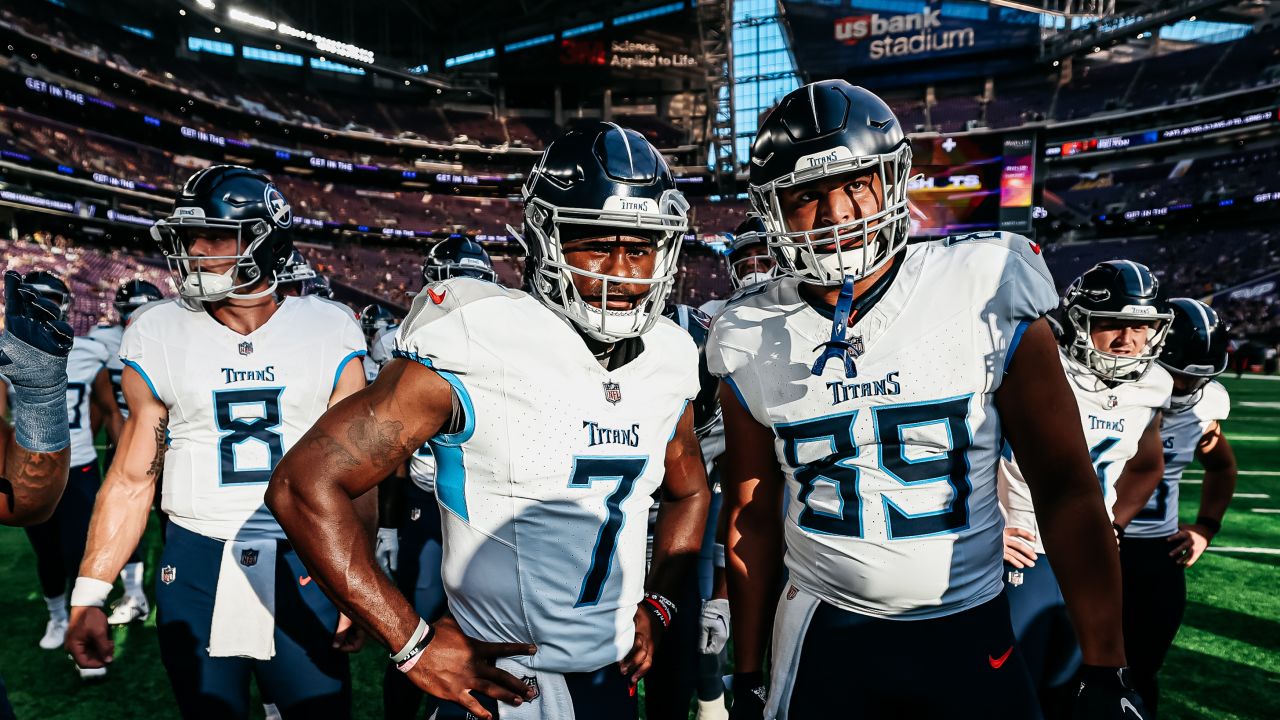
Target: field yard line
[1258, 377]
[1246, 550]
[1261, 473]
[1237, 437]
[1252, 496]
[1267, 511]
[1269, 404]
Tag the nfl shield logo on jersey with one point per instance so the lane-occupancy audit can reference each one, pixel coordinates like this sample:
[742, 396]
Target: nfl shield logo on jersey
[245, 348]
[168, 574]
[1112, 402]
[612, 392]
[1015, 578]
[248, 557]
[855, 346]
[531, 681]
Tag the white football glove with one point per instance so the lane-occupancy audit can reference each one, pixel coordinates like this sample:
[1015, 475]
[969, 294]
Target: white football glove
[388, 550]
[713, 628]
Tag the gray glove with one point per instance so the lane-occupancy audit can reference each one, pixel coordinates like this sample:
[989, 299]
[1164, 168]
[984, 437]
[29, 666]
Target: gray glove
[713, 628]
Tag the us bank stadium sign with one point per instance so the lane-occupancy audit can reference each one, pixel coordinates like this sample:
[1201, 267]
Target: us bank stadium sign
[901, 35]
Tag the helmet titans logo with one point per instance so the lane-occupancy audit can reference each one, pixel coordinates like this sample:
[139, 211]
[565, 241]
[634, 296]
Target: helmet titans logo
[279, 208]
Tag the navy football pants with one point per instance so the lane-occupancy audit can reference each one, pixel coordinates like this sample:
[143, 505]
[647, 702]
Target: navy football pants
[1045, 636]
[605, 694]
[307, 678]
[59, 541]
[418, 578]
[959, 666]
[1155, 597]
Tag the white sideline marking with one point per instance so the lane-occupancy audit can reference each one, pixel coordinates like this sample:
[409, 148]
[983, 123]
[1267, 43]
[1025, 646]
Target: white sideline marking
[1245, 550]
[1260, 473]
[1252, 496]
[1267, 511]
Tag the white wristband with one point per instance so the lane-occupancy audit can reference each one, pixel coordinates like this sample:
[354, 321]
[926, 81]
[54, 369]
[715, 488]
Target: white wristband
[406, 652]
[90, 592]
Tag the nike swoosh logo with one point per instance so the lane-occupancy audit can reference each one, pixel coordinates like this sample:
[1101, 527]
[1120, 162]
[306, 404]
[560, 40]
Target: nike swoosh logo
[996, 663]
[437, 299]
[304, 580]
[1126, 705]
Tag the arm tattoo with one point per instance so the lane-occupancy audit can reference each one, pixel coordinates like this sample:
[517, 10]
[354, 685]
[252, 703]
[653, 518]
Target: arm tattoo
[378, 439]
[157, 462]
[334, 452]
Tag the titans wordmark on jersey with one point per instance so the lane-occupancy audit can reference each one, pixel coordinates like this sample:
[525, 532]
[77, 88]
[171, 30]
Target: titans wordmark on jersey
[544, 492]
[1180, 434]
[891, 474]
[236, 402]
[1113, 418]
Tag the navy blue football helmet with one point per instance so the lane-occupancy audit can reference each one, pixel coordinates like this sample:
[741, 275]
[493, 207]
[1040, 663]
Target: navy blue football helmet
[132, 295]
[457, 256]
[1121, 290]
[749, 268]
[1195, 349]
[374, 319]
[595, 181]
[823, 130]
[227, 199]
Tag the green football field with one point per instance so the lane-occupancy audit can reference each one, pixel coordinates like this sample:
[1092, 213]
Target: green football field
[1225, 664]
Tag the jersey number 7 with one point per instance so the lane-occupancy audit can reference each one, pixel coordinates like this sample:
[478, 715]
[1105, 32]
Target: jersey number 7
[624, 471]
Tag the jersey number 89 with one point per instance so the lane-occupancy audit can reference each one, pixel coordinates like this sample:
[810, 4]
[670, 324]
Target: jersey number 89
[889, 421]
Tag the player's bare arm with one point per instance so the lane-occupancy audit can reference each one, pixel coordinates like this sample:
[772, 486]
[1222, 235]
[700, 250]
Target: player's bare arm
[1141, 474]
[104, 406]
[1051, 451]
[347, 635]
[677, 538]
[1220, 473]
[32, 482]
[119, 518]
[753, 486]
[349, 450]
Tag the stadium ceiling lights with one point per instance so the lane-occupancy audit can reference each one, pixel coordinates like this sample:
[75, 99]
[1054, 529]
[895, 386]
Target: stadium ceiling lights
[323, 44]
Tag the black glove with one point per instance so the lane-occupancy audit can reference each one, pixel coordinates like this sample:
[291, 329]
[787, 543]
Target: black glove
[1105, 694]
[750, 690]
[33, 319]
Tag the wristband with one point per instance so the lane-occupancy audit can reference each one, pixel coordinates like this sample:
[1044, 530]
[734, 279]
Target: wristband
[415, 653]
[90, 592]
[416, 637]
[717, 555]
[662, 608]
[1213, 526]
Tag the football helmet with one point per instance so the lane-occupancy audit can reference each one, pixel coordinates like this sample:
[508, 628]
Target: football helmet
[457, 256]
[296, 269]
[374, 319]
[227, 199]
[1196, 348]
[823, 130]
[52, 288]
[133, 294]
[318, 285]
[1122, 290]
[706, 406]
[601, 176]
[745, 269]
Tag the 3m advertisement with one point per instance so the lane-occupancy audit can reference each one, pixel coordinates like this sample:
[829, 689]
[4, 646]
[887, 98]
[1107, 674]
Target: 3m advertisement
[849, 39]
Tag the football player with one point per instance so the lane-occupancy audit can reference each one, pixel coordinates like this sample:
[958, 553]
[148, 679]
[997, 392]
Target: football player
[220, 382]
[887, 442]
[409, 541]
[294, 278]
[59, 541]
[375, 321]
[748, 261]
[553, 416]
[1115, 319]
[130, 296]
[1156, 549]
[35, 450]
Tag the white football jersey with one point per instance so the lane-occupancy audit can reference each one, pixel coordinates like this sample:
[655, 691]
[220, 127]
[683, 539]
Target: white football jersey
[891, 475]
[544, 492]
[84, 362]
[111, 335]
[236, 402]
[1113, 418]
[1181, 433]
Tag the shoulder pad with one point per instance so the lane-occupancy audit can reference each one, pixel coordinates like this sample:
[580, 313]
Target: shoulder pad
[439, 299]
[1012, 241]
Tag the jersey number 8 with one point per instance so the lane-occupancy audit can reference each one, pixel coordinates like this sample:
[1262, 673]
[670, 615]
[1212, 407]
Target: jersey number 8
[259, 427]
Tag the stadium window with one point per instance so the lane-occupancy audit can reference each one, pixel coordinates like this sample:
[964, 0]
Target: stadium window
[650, 13]
[582, 30]
[906, 7]
[330, 66]
[968, 11]
[469, 57]
[1204, 31]
[764, 69]
[531, 42]
[140, 32]
[213, 47]
[272, 56]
